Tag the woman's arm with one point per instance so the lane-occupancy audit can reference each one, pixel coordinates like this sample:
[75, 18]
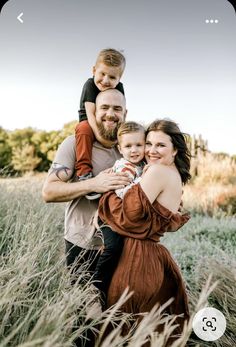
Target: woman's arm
[153, 181]
[140, 214]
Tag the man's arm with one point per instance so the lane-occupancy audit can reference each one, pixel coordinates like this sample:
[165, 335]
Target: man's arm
[56, 187]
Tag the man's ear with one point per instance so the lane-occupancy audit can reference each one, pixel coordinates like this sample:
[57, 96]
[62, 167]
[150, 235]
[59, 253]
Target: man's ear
[93, 70]
[125, 115]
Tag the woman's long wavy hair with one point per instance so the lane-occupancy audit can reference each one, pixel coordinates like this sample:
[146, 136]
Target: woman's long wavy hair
[179, 141]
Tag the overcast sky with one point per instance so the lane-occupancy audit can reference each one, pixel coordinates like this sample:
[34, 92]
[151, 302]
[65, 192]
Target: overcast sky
[178, 66]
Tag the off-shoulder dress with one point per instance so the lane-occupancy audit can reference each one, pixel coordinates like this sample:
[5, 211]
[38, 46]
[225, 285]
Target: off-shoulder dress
[145, 265]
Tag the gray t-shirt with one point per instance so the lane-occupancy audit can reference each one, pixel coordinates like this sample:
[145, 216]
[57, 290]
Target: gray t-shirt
[79, 213]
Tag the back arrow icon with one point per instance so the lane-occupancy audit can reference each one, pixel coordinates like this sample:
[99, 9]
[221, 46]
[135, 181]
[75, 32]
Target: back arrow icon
[19, 17]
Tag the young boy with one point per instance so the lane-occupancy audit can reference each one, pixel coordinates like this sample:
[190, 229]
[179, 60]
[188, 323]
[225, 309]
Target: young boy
[107, 72]
[131, 143]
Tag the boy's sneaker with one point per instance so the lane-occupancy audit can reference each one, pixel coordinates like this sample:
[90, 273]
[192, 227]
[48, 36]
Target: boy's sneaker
[92, 195]
[85, 176]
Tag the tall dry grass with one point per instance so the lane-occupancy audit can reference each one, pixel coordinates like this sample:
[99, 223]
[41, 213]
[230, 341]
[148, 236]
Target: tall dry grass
[214, 169]
[39, 307]
[213, 191]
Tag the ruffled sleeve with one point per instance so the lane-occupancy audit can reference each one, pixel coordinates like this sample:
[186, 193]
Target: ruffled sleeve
[136, 217]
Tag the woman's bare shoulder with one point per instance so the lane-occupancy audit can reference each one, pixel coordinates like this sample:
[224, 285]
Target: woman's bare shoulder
[160, 168]
[165, 173]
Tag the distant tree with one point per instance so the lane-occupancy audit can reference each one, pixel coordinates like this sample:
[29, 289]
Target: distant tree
[46, 144]
[233, 157]
[221, 155]
[20, 137]
[24, 158]
[68, 129]
[29, 149]
[5, 149]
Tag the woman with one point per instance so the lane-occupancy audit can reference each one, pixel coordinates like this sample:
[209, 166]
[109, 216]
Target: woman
[147, 211]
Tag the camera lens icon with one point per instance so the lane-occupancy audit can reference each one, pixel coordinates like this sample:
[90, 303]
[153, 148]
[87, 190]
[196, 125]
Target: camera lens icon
[209, 324]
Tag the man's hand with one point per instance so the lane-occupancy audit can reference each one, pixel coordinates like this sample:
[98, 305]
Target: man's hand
[56, 187]
[105, 181]
[109, 170]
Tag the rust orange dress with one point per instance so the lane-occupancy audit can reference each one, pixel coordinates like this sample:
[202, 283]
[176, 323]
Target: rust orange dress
[145, 265]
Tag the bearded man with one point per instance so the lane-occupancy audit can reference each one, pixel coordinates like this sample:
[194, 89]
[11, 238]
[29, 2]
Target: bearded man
[61, 184]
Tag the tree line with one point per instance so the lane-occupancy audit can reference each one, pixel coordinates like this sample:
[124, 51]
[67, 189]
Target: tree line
[28, 149]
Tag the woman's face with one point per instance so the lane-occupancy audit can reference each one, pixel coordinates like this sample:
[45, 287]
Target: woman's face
[159, 148]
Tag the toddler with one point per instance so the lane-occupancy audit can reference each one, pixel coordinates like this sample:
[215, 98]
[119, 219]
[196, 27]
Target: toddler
[131, 144]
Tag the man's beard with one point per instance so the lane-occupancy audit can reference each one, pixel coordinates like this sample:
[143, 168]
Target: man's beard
[108, 134]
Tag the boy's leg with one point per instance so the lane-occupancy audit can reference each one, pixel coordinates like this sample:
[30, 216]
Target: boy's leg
[108, 260]
[84, 139]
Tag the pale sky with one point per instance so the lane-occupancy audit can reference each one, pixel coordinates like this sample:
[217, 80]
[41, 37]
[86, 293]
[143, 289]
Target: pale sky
[178, 66]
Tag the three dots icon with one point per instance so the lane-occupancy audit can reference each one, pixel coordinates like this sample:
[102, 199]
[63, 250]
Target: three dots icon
[211, 21]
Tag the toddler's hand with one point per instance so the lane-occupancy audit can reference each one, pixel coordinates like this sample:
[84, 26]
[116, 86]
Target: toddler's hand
[145, 169]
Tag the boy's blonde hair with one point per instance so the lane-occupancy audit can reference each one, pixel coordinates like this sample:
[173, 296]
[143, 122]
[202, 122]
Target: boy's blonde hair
[129, 127]
[111, 57]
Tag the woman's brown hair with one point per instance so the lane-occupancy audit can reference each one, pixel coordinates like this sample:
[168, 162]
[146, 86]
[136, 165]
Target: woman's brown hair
[182, 157]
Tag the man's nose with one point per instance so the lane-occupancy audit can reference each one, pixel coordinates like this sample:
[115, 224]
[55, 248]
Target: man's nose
[110, 112]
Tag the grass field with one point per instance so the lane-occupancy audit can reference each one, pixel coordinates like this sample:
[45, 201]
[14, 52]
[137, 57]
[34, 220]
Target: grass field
[38, 307]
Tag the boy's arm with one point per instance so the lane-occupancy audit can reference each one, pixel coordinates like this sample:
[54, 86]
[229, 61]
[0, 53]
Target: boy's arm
[90, 112]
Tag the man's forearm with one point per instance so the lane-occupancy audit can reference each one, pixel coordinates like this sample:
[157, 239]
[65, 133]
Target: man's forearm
[57, 188]
[59, 191]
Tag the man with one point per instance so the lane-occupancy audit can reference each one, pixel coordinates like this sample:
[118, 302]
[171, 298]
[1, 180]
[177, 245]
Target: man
[61, 184]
